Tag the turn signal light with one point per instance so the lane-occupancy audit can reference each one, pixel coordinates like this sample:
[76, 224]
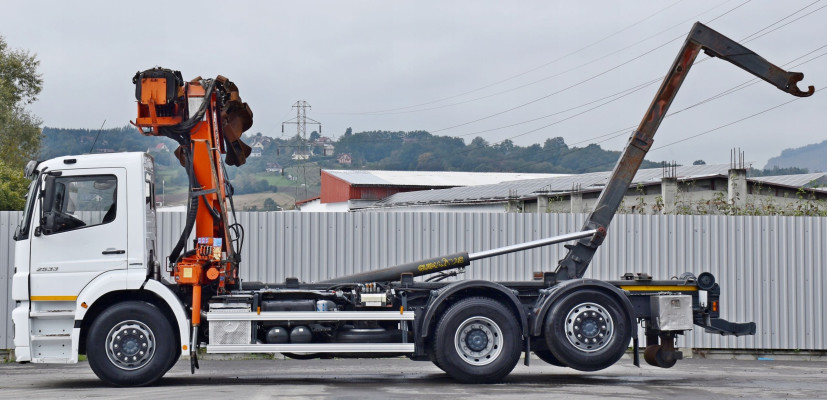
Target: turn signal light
[715, 306]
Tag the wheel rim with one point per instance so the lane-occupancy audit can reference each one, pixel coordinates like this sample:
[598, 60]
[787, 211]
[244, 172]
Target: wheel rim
[478, 341]
[130, 345]
[589, 327]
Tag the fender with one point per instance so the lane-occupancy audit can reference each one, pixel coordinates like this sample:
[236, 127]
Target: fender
[120, 280]
[449, 290]
[107, 282]
[174, 304]
[568, 286]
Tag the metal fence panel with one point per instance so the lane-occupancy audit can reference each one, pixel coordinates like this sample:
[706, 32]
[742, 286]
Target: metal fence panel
[8, 222]
[771, 269]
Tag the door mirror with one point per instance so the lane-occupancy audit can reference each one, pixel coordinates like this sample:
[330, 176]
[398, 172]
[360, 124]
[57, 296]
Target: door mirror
[47, 221]
[49, 194]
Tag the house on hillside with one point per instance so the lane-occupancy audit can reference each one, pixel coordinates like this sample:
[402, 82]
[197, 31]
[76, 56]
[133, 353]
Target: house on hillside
[259, 138]
[300, 155]
[322, 145]
[344, 159]
[274, 167]
[257, 149]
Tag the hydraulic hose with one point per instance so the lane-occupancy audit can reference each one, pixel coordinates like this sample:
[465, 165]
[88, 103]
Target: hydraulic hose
[192, 207]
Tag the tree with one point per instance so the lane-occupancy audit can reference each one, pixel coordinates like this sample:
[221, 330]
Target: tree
[348, 131]
[505, 146]
[479, 143]
[270, 205]
[314, 136]
[699, 162]
[12, 188]
[555, 144]
[20, 83]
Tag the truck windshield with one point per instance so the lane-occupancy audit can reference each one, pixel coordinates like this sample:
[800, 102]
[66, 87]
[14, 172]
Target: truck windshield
[22, 231]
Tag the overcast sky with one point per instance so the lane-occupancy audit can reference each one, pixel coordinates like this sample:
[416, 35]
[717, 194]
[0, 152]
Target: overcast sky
[495, 69]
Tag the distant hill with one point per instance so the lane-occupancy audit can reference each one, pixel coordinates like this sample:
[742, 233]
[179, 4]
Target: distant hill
[411, 151]
[58, 142]
[421, 151]
[812, 157]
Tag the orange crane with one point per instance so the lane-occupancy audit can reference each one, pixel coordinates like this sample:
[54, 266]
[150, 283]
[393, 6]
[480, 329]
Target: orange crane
[206, 117]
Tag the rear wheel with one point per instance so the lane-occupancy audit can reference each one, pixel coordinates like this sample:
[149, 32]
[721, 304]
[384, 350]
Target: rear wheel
[477, 340]
[587, 330]
[131, 344]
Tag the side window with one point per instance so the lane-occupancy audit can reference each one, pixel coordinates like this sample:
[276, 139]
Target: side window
[84, 201]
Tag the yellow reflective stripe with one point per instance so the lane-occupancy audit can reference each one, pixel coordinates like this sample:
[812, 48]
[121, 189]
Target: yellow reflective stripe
[664, 288]
[53, 298]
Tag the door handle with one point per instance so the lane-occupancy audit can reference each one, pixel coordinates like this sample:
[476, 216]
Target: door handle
[105, 252]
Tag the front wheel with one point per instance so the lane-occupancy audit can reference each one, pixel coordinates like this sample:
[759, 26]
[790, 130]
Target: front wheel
[131, 344]
[587, 330]
[477, 340]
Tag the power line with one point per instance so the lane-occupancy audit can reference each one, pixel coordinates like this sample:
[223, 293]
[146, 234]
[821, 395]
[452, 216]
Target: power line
[728, 124]
[788, 16]
[580, 82]
[740, 86]
[572, 86]
[624, 131]
[587, 79]
[633, 88]
[617, 95]
[789, 22]
[779, 21]
[635, 24]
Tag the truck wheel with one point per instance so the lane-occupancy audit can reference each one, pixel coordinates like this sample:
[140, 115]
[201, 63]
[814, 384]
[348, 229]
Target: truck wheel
[131, 344]
[549, 358]
[432, 357]
[587, 330]
[477, 340]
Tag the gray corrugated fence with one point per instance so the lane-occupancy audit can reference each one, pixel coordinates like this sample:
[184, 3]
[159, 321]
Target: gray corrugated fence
[771, 269]
[8, 221]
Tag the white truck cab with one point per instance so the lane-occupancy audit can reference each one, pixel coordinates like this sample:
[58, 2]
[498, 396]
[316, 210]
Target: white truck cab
[82, 242]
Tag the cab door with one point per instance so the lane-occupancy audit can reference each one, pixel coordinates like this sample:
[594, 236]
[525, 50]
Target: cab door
[82, 232]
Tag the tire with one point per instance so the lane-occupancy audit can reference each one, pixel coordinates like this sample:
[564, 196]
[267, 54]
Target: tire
[477, 340]
[131, 344]
[432, 356]
[587, 330]
[549, 358]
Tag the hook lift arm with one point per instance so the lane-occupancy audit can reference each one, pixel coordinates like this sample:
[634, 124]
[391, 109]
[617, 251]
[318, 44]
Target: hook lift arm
[701, 37]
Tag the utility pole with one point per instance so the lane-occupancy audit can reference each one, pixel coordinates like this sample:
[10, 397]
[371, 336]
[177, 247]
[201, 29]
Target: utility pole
[301, 120]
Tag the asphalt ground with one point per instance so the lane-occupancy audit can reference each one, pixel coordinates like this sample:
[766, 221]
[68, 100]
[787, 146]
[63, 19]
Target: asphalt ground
[402, 378]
